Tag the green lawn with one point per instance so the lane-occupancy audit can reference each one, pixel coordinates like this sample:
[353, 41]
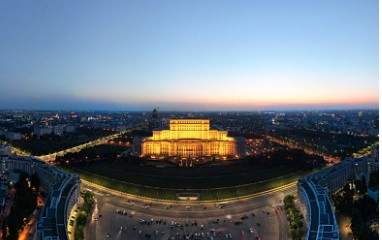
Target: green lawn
[208, 176]
[205, 194]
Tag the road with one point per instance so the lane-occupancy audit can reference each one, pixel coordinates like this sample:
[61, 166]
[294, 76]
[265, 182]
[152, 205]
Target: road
[282, 223]
[144, 217]
[294, 145]
[52, 156]
[102, 140]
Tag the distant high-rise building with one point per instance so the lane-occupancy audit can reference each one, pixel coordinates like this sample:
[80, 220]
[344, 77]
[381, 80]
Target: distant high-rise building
[155, 114]
[13, 136]
[154, 121]
[5, 150]
[69, 128]
[42, 130]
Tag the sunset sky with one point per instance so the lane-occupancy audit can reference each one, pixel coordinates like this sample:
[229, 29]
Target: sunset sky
[188, 55]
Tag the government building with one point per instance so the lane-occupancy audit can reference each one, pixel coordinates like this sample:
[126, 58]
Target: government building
[189, 138]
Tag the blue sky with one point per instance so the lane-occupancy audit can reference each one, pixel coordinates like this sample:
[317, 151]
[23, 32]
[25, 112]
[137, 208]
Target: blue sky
[188, 55]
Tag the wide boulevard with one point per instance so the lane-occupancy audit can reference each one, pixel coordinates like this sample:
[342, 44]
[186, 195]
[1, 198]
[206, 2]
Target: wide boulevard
[121, 216]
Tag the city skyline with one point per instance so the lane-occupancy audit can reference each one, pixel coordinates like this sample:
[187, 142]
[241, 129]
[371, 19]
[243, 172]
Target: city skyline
[197, 120]
[197, 56]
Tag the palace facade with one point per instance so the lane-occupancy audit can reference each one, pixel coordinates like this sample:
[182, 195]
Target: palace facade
[189, 138]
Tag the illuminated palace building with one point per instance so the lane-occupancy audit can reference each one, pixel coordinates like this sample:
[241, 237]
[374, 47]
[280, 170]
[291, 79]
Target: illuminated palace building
[189, 139]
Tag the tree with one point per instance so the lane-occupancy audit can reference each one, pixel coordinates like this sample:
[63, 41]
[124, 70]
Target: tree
[357, 224]
[368, 206]
[23, 206]
[360, 186]
[374, 180]
[35, 181]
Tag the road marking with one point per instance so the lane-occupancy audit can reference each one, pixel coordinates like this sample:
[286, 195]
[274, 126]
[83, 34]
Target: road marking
[149, 200]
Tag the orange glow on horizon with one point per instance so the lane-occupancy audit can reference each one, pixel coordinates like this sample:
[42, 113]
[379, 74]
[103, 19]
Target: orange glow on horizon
[235, 98]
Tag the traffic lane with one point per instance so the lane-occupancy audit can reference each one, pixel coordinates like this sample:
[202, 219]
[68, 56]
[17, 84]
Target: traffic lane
[135, 198]
[210, 210]
[119, 226]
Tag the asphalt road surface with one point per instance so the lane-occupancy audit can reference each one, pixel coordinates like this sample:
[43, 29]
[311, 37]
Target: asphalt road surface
[114, 217]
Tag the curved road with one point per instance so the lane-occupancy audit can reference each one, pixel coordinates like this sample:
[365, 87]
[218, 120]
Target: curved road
[266, 205]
